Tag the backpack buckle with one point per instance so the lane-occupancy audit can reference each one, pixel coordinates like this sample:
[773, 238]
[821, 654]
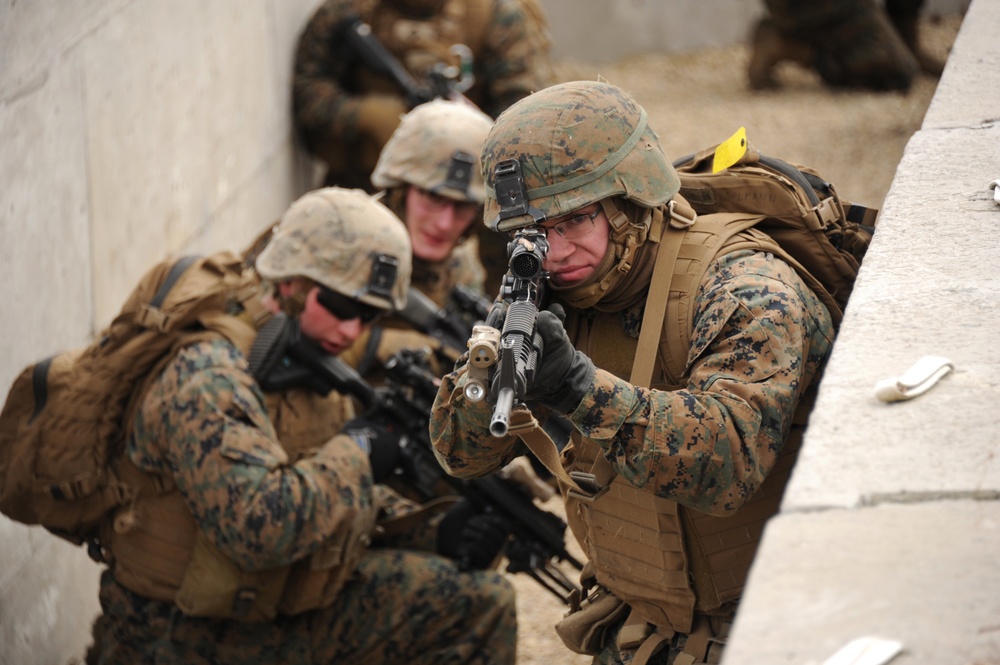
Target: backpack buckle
[680, 214]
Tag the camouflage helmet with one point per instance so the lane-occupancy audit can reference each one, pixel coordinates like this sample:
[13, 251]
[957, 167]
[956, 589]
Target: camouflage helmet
[436, 147]
[567, 146]
[346, 241]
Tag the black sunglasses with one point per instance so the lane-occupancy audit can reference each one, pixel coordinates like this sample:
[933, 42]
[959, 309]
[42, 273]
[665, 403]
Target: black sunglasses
[345, 308]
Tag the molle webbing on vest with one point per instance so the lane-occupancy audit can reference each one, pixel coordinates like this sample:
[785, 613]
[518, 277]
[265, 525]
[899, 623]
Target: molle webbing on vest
[633, 539]
[151, 543]
[722, 548]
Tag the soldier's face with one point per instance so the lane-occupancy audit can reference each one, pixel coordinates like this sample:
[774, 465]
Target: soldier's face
[436, 223]
[570, 260]
[330, 332]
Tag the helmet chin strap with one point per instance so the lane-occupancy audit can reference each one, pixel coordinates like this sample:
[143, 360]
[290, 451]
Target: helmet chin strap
[626, 236]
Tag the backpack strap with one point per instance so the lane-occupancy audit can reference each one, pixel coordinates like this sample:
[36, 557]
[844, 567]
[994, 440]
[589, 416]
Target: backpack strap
[175, 273]
[40, 386]
[680, 218]
[149, 315]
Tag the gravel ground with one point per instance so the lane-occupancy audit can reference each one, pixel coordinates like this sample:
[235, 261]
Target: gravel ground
[694, 100]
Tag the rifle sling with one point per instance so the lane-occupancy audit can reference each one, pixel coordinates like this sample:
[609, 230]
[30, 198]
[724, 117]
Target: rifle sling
[524, 425]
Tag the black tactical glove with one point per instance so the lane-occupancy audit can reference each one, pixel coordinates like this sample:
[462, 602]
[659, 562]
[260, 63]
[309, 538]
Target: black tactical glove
[471, 537]
[564, 374]
[378, 441]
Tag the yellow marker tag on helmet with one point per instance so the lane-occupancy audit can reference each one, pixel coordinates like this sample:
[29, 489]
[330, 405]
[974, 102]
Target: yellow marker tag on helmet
[730, 151]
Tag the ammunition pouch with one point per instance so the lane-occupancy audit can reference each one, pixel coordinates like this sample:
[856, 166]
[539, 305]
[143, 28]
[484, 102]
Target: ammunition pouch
[585, 627]
[214, 586]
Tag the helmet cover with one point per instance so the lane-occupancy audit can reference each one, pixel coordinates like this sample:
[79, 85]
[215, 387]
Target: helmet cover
[567, 146]
[437, 147]
[346, 241]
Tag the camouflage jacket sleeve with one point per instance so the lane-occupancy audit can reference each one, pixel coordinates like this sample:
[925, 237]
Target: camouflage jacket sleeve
[515, 58]
[322, 108]
[204, 423]
[759, 339]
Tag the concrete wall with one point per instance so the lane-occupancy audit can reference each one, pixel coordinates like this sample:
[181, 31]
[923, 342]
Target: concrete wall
[130, 129]
[890, 526]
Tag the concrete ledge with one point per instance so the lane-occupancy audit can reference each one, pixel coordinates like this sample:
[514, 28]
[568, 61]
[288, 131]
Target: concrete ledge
[924, 575]
[891, 523]
[968, 93]
[926, 288]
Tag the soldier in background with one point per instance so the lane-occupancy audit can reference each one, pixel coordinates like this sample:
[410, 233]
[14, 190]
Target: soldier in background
[265, 543]
[345, 112]
[849, 43]
[429, 171]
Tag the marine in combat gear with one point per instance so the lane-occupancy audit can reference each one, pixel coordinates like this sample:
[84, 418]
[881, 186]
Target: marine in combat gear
[693, 463]
[262, 542]
[849, 43]
[429, 173]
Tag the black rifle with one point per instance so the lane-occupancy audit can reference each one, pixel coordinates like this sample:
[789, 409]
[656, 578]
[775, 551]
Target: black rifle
[443, 81]
[283, 358]
[450, 325]
[515, 353]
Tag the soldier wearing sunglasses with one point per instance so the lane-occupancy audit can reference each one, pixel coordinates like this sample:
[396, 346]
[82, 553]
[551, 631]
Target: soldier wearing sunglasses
[260, 537]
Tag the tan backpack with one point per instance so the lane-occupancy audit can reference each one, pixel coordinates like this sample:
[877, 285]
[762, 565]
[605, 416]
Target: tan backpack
[65, 418]
[743, 196]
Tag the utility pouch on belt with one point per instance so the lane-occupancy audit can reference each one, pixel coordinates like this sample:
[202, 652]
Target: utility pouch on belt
[215, 587]
[585, 627]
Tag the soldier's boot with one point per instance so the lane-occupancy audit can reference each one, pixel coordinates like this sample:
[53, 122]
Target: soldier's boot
[908, 28]
[768, 48]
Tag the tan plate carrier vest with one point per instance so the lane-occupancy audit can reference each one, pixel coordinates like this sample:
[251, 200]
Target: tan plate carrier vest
[159, 552]
[664, 560]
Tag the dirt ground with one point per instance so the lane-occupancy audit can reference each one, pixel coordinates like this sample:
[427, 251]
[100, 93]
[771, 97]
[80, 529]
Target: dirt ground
[694, 100]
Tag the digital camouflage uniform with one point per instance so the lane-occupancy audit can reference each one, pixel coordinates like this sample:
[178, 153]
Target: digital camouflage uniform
[849, 43]
[258, 545]
[399, 606]
[681, 455]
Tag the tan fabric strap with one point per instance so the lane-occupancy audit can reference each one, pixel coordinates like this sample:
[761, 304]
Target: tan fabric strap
[523, 424]
[681, 216]
[696, 645]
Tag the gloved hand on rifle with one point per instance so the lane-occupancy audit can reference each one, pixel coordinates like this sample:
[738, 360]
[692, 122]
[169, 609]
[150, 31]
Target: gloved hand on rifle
[378, 441]
[471, 537]
[564, 374]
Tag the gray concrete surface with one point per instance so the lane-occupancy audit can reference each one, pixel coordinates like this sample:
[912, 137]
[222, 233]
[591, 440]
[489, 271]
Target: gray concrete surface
[890, 526]
[604, 30]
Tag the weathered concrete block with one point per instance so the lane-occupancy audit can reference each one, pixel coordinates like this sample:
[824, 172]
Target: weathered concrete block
[921, 574]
